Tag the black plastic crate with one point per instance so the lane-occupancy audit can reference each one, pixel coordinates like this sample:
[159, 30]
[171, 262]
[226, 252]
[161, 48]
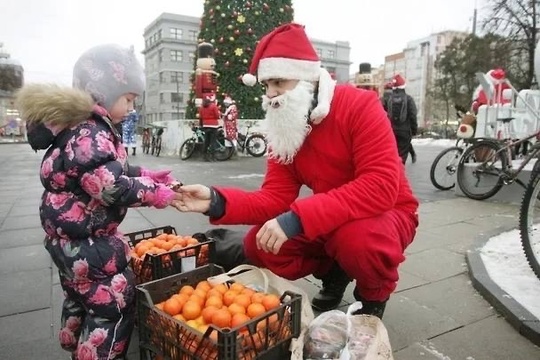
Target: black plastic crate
[158, 266]
[163, 337]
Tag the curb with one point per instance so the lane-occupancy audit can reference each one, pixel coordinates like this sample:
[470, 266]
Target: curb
[519, 317]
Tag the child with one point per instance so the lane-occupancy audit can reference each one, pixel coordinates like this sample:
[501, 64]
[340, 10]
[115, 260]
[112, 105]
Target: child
[88, 187]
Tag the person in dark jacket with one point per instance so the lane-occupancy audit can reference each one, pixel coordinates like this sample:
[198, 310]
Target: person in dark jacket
[89, 187]
[209, 116]
[402, 113]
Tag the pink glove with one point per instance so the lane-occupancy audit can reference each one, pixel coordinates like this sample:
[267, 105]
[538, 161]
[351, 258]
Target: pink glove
[160, 176]
[163, 197]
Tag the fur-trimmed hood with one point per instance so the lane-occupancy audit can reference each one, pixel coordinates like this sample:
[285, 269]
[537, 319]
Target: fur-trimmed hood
[49, 109]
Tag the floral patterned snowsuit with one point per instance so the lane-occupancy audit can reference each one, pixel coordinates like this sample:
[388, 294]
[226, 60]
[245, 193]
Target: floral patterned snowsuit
[88, 188]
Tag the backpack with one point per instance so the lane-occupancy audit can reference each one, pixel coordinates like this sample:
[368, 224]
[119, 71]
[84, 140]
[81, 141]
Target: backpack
[397, 107]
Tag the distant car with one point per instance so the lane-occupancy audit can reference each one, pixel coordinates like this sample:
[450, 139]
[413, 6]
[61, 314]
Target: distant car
[430, 134]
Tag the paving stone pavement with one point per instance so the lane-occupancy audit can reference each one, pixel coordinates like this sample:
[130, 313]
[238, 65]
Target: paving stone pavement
[435, 313]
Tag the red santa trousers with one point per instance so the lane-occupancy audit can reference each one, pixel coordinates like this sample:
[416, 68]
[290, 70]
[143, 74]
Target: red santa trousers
[368, 250]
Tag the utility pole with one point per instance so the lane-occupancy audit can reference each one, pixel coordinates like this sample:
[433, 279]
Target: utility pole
[475, 16]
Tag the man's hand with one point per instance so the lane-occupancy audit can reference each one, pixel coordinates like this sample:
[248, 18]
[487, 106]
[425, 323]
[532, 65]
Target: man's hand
[192, 198]
[270, 237]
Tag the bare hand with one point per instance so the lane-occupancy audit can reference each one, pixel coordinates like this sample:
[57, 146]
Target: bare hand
[192, 198]
[270, 237]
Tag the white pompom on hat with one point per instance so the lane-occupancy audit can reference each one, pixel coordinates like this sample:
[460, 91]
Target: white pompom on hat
[287, 53]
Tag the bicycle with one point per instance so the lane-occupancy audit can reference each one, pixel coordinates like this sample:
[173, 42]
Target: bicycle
[443, 178]
[223, 148]
[492, 159]
[157, 142]
[254, 143]
[530, 240]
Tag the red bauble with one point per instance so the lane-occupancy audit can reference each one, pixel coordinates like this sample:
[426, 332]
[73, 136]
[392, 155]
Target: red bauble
[236, 32]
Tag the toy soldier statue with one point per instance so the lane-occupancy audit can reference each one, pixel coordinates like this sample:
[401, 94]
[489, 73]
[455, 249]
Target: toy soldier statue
[205, 76]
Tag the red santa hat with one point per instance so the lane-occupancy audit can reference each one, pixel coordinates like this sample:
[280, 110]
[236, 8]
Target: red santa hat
[398, 82]
[287, 53]
[496, 75]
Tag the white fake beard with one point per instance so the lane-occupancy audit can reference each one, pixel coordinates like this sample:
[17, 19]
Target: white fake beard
[287, 121]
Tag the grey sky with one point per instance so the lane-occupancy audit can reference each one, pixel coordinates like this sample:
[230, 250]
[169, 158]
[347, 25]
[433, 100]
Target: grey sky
[47, 36]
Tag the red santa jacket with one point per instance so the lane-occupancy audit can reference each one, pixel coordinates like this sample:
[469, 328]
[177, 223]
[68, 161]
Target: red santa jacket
[349, 160]
[480, 98]
[209, 115]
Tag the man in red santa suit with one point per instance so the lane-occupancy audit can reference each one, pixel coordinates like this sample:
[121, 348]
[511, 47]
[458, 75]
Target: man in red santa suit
[362, 214]
[497, 77]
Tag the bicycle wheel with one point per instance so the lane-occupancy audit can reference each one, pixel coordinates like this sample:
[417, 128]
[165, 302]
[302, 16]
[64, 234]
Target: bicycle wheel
[187, 149]
[443, 168]
[256, 145]
[529, 222]
[479, 170]
[225, 150]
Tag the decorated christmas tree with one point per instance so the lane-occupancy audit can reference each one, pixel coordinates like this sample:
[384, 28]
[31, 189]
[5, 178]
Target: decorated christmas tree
[233, 28]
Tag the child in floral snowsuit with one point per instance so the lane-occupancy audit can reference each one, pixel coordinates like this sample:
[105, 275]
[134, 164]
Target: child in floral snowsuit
[88, 187]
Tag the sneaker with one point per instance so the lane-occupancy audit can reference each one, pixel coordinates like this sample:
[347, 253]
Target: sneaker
[333, 288]
[375, 308]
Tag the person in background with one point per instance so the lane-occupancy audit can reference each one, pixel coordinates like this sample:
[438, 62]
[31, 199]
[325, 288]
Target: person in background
[497, 77]
[209, 116]
[230, 120]
[129, 136]
[401, 111]
[89, 186]
[362, 214]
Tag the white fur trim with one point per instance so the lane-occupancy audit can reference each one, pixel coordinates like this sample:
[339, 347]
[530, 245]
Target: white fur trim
[249, 79]
[291, 69]
[401, 87]
[324, 98]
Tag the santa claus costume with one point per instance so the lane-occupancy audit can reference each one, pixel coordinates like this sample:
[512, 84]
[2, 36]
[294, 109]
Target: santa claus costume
[497, 78]
[230, 117]
[362, 214]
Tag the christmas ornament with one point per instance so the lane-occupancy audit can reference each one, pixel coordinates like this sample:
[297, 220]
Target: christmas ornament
[236, 32]
[238, 52]
[241, 19]
[230, 27]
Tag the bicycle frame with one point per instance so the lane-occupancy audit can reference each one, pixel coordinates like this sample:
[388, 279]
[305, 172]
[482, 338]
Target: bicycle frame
[511, 173]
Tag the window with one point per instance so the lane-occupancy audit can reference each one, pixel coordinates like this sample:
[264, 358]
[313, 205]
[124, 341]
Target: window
[176, 55]
[192, 35]
[177, 97]
[177, 77]
[176, 33]
[319, 52]
[162, 98]
[160, 55]
[162, 77]
[331, 54]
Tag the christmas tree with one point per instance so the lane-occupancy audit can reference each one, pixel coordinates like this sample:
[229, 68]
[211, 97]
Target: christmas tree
[234, 27]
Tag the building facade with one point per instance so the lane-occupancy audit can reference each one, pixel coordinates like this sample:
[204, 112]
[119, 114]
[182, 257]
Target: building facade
[11, 79]
[335, 57]
[417, 65]
[170, 47]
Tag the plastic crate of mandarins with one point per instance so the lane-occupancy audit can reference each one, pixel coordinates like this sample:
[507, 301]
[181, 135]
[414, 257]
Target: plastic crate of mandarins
[184, 317]
[160, 252]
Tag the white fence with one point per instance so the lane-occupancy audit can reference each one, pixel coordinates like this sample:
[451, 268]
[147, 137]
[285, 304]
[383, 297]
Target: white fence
[177, 131]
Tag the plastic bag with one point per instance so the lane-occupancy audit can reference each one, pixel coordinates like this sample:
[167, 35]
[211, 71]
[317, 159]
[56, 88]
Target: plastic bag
[326, 336]
[338, 335]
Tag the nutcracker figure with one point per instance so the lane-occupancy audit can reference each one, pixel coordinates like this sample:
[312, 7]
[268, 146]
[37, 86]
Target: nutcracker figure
[205, 75]
[364, 78]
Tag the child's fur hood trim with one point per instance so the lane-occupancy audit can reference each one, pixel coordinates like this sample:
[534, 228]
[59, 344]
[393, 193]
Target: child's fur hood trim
[53, 104]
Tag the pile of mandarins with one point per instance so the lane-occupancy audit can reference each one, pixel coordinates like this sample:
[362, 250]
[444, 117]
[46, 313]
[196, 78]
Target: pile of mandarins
[220, 305]
[170, 248]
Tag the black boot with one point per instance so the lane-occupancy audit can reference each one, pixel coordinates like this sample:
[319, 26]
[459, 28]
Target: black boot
[333, 288]
[413, 157]
[375, 308]
[134, 151]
